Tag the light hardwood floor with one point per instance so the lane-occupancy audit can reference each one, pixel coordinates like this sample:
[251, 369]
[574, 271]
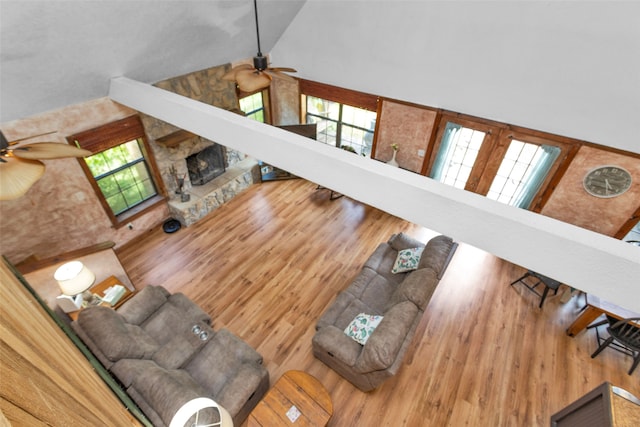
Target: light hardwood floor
[267, 264]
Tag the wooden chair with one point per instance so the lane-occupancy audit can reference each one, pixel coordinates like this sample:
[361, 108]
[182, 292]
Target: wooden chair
[625, 334]
[538, 278]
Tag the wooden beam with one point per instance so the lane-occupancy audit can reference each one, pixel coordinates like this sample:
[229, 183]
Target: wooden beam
[578, 257]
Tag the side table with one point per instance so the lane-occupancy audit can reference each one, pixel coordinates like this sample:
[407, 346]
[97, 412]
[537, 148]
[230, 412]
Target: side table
[99, 290]
[296, 399]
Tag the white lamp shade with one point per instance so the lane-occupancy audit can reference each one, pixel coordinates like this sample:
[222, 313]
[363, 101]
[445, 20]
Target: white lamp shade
[74, 278]
[192, 407]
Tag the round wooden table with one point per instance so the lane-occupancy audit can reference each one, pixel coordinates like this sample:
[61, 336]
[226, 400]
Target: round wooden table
[296, 399]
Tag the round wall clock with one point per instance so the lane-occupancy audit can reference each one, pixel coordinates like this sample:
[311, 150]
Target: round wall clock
[607, 181]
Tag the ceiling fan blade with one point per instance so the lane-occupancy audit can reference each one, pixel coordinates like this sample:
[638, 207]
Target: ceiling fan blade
[285, 69]
[280, 75]
[231, 74]
[30, 137]
[250, 81]
[17, 176]
[49, 150]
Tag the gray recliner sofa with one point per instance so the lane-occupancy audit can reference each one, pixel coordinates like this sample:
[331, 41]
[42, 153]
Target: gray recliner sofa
[400, 298]
[164, 351]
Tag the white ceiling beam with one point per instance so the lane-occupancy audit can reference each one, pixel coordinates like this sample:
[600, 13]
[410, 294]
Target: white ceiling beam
[585, 260]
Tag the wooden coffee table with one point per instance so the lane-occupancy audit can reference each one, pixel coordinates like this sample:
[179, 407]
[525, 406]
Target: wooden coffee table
[296, 399]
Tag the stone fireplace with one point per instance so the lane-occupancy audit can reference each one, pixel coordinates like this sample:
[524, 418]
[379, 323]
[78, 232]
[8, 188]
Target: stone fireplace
[211, 173]
[205, 165]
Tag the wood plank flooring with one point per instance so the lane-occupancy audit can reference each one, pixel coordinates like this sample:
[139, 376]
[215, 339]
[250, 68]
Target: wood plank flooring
[267, 264]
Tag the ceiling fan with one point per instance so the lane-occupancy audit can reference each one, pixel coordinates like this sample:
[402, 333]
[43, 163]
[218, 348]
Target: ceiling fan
[20, 167]
[251, 79]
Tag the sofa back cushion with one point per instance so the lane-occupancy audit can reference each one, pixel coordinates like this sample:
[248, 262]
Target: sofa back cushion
[176, 316]
[417, 287]
[143, 304]
[115, 338]
[383, 346]
[215, 364]
[437, 254]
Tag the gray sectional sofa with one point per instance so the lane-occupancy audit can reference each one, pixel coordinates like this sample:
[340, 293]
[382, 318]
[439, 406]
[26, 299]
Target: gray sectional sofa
[164, 351]
[400, 298]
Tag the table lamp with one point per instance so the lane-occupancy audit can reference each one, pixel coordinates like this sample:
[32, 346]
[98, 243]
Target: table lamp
[194, 406]
[74, 278]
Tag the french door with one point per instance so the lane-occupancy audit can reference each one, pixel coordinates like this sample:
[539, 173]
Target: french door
[502, 163]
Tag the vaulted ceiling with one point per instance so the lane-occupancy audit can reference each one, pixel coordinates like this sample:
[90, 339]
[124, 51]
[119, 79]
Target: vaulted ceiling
[56, 53]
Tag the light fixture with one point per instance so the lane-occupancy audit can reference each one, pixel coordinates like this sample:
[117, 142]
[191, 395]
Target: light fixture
[195, 407]
[20, 167]
[74, 278]
[251, 79]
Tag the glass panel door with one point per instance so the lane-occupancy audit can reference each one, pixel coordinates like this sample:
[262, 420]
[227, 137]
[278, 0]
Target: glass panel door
[459, 148]
[521, 173]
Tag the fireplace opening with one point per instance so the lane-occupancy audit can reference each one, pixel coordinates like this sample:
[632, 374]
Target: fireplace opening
[205, 165]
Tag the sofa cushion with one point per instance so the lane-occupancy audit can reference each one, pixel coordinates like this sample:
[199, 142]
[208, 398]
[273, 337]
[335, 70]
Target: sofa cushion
[137, 309]
[115, 338]
[182, 347]
[173, 319]
[437, 254]
[126, 370]
[407, 260]
[362, 326]
[384, 344]
[351, 310]
[219, 361]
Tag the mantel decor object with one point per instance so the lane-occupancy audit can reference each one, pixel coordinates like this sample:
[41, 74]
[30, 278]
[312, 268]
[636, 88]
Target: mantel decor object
[393, 161]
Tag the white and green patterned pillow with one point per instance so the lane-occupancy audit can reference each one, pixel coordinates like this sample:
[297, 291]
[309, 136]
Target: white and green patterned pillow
[362, 326]
[407, 260]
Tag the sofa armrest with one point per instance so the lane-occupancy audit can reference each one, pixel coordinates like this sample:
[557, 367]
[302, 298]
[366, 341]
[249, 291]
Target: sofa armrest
[241, 387]
[384, 344]
[335, 342]
[402, 241]
[437, 254]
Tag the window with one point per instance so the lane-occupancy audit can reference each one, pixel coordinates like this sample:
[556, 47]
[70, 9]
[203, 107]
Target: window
[124, 177]
[344, 118]
[341, 125]
[253, 106]
[507, 165]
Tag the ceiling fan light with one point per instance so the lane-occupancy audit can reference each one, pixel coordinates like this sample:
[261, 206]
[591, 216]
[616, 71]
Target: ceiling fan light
[231, 74]
[17, 176]
[251, 81]
[49, 150]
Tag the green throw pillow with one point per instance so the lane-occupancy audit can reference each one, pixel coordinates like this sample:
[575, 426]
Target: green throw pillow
[407, 260]
[362, 326]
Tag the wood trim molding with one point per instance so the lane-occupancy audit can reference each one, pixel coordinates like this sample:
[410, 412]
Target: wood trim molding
[31, 265]
[109, 135]
[354, 98]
